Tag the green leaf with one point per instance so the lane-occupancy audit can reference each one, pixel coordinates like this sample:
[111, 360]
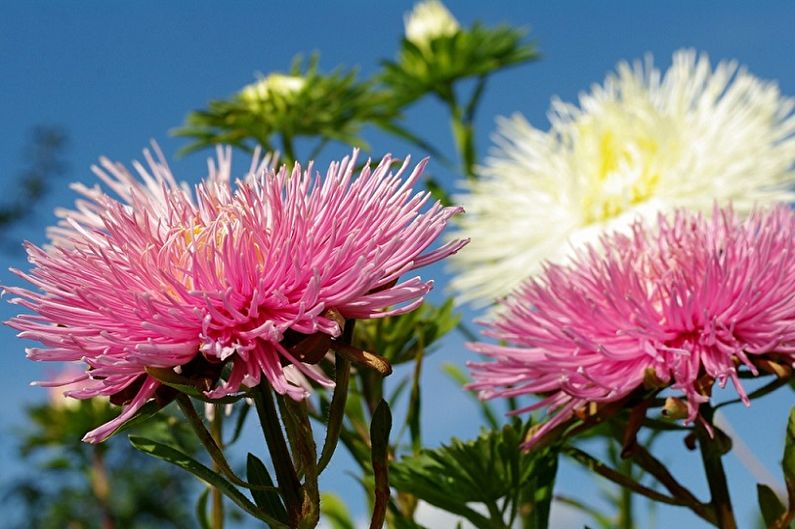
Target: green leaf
[267, 500]
[184, 461]
[769, 504]
[405, 134]
[400, 338]
[327, 107]
[239, 423]
[485, 470]
[336, 411]
[335, 512]
[438, 192]
[146, 412]
[380, 426]
[539, 490]
[201, 509]
[474, 52]
[185, 385]
[788, 463]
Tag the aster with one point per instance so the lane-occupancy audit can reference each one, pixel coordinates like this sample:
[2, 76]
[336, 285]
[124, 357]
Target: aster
[640, 143]
[693, 301]
[436, 53]
[429, 20]
[230, 285]
[280, 108]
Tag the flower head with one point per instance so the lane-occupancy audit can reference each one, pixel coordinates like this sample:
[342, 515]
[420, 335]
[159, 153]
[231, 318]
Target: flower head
[165, 278]
[686, 304]
[639, 144]
[275, 83]
[428, 20]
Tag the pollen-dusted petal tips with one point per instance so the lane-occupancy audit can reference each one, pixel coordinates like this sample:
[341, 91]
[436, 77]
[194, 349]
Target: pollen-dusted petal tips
[169, 278]
[641, 143]
[687, 302]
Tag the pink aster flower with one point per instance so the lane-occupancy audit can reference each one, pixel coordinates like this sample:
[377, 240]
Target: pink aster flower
[169, 278]
[685, 303]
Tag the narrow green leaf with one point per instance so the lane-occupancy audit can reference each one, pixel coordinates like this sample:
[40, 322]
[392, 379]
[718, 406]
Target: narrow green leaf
[405, 134]
[184, 461]
[336, 413]
[541, 487]
[788, 463]
[380, 427]
[267, 500]
[201, 510]
[438, 192]
[185, 385]
[146, 412]
[769, 504]
[239, 423]
[335, 512]
[415, 402]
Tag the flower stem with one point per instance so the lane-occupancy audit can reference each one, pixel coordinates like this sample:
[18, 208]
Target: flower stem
[716, 477]
[644, 459]
[625, 519]
[286, 476]
[216, 430]
[461, 122]
[617, 477]
[299, 432]
[100, 485]
[288, 156]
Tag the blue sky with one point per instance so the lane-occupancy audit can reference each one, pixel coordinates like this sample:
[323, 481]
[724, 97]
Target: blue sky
[116, 74]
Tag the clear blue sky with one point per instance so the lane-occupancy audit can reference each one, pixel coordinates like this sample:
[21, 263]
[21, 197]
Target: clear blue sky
[117, 74]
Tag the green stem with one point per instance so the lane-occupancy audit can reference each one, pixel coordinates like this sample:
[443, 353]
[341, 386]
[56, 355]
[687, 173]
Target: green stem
[463, 130]
[208, 441]
[286, 476]
[495, 516]
[289, 151]
[464, 136]
[216, 430]
[100, 485]
[716, 477]
[645, 460]
[617, 477]
[415, 399]
[625, 517]
[299, 432]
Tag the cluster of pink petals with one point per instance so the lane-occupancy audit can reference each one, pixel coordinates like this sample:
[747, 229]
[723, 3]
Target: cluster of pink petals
[693, 296]
[164, 274]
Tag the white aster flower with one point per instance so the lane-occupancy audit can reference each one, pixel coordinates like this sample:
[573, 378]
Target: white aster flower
[638, 144]
[428, 20]
[275, 83]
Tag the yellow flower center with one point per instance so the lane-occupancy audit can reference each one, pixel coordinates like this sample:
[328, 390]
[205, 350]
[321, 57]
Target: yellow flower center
[618, 164]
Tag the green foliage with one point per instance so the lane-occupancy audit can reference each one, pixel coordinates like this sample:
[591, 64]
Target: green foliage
[788, 462]
[267, 500]
[380, 426]
[328, 107]
[489, 469]
[184, 461]
[769, 504]
[474, 52]
[81, 485]
[335, 512]
[401, 338]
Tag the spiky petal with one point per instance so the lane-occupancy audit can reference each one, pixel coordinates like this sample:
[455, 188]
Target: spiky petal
[164, 276]
[641, 143]
[689, 301]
